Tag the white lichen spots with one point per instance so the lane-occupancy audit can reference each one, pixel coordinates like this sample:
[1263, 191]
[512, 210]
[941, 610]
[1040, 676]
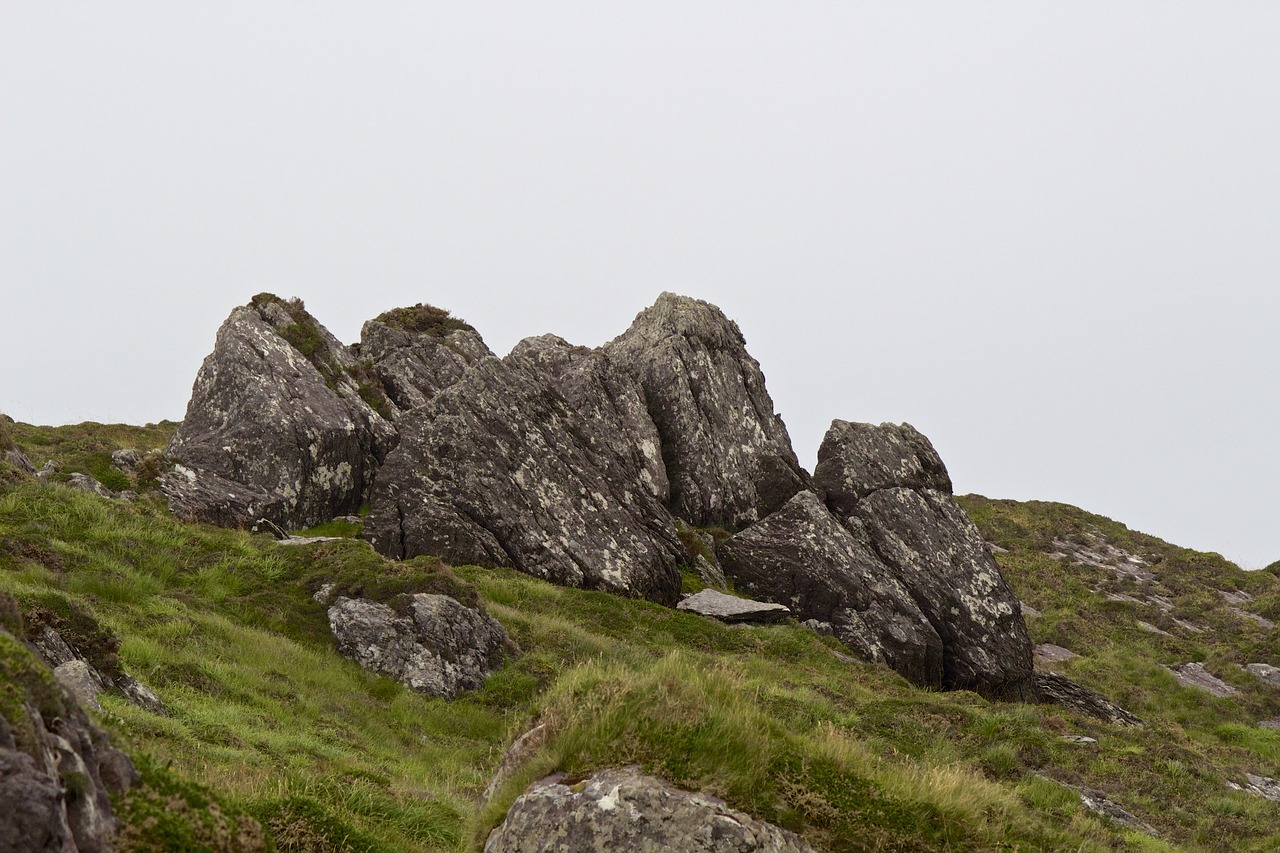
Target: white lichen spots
[610, 801]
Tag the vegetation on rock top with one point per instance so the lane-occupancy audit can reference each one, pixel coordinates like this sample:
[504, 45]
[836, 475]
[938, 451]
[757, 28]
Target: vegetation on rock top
[424, 320]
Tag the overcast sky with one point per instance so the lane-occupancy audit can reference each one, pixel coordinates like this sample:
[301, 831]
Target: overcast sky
[1046, 234]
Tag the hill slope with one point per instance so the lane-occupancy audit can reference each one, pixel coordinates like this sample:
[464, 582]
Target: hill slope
[265, 721]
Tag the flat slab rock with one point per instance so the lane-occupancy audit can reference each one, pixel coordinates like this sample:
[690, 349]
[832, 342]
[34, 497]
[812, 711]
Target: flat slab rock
[1047, 654]
[621, 809]
[731, 608]
[1195, 675]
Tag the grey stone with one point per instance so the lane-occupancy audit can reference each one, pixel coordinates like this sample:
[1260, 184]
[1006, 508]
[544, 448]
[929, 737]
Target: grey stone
[1102, 805]
[52, 648]
[858, 459]
[273, 431]
[728, 456]
[418, 352]
[803, 557]
[1047, 654]
[47, 470]
[732, 608]
[438, 646]
[890, 485]
[1258, 786]
[611, 403]
[516, 755]
[1055, 689]
[125, 460]
[56, 779]
[1029, 612]
[81, 681]
[86, 483]
[500, 470]
[139, 694]
[1265, 671]
[621, 809]
[1079, 740]
[1152, 629]
[1195, 675]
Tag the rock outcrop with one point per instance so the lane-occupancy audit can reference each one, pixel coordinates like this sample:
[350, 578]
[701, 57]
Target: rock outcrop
[728, 456]
[621, 809]
[801, 556]
[14, 464]
[277, 426]
[436, 645]
[500, 470]
[57, 768]
[417, 352]
[888, 482]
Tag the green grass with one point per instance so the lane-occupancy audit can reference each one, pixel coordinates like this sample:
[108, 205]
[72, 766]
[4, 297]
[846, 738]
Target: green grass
[269, 731]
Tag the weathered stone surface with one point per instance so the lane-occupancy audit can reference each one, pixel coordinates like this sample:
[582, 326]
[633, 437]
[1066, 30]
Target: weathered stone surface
[86, 483]
[612, 405]
[733, 608]
[499, 470]
[940, 557]
[1055, 689]
[55, 767]
[1259, 786]
[520, 750]
[417, 352]
[1265, 671]
[858, 459]
[438, 646]
[933, 549]
[1047, 654]
[78, 679]
[1102, 805]
[11, 454]
[728, 456]
[1195, 675]
[621, 809]
[276, 426]
[803, 557]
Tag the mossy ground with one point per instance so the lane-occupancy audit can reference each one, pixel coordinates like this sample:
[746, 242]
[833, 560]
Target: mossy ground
[267, 721]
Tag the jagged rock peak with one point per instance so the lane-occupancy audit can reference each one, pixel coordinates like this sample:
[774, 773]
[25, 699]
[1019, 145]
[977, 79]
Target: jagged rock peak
[281, 424]
[500, 470]
[728, 455]
[418, 351]
[858, 459]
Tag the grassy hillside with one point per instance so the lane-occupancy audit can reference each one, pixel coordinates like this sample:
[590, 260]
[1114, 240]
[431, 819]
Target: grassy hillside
[273, 741]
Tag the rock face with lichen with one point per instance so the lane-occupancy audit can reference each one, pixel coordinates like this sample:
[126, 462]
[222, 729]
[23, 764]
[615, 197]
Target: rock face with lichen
[727, 454]
[279, 424]
[501, 470]
[801, 556]
[889, 482]
[417, 352]
[621, 809]
[433, 643]
[57, 768]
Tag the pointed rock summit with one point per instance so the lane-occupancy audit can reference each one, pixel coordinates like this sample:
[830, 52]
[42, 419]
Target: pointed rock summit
[727, 453]
[279, 425]
[417, 352]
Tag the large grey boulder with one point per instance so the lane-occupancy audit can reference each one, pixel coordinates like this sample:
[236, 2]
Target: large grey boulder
[436, 645]
[416, 352]
[803, 557]
[728, 455]
[889, 483]
[621, 809]
[278, 426]
[500, 470]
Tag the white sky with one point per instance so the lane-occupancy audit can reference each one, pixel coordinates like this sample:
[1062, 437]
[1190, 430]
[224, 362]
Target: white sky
[1047, 234]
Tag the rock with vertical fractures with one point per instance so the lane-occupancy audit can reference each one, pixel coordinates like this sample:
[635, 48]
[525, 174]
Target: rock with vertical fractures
[501, 470]
[727, 453]
[889, 482]
[278, 425]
